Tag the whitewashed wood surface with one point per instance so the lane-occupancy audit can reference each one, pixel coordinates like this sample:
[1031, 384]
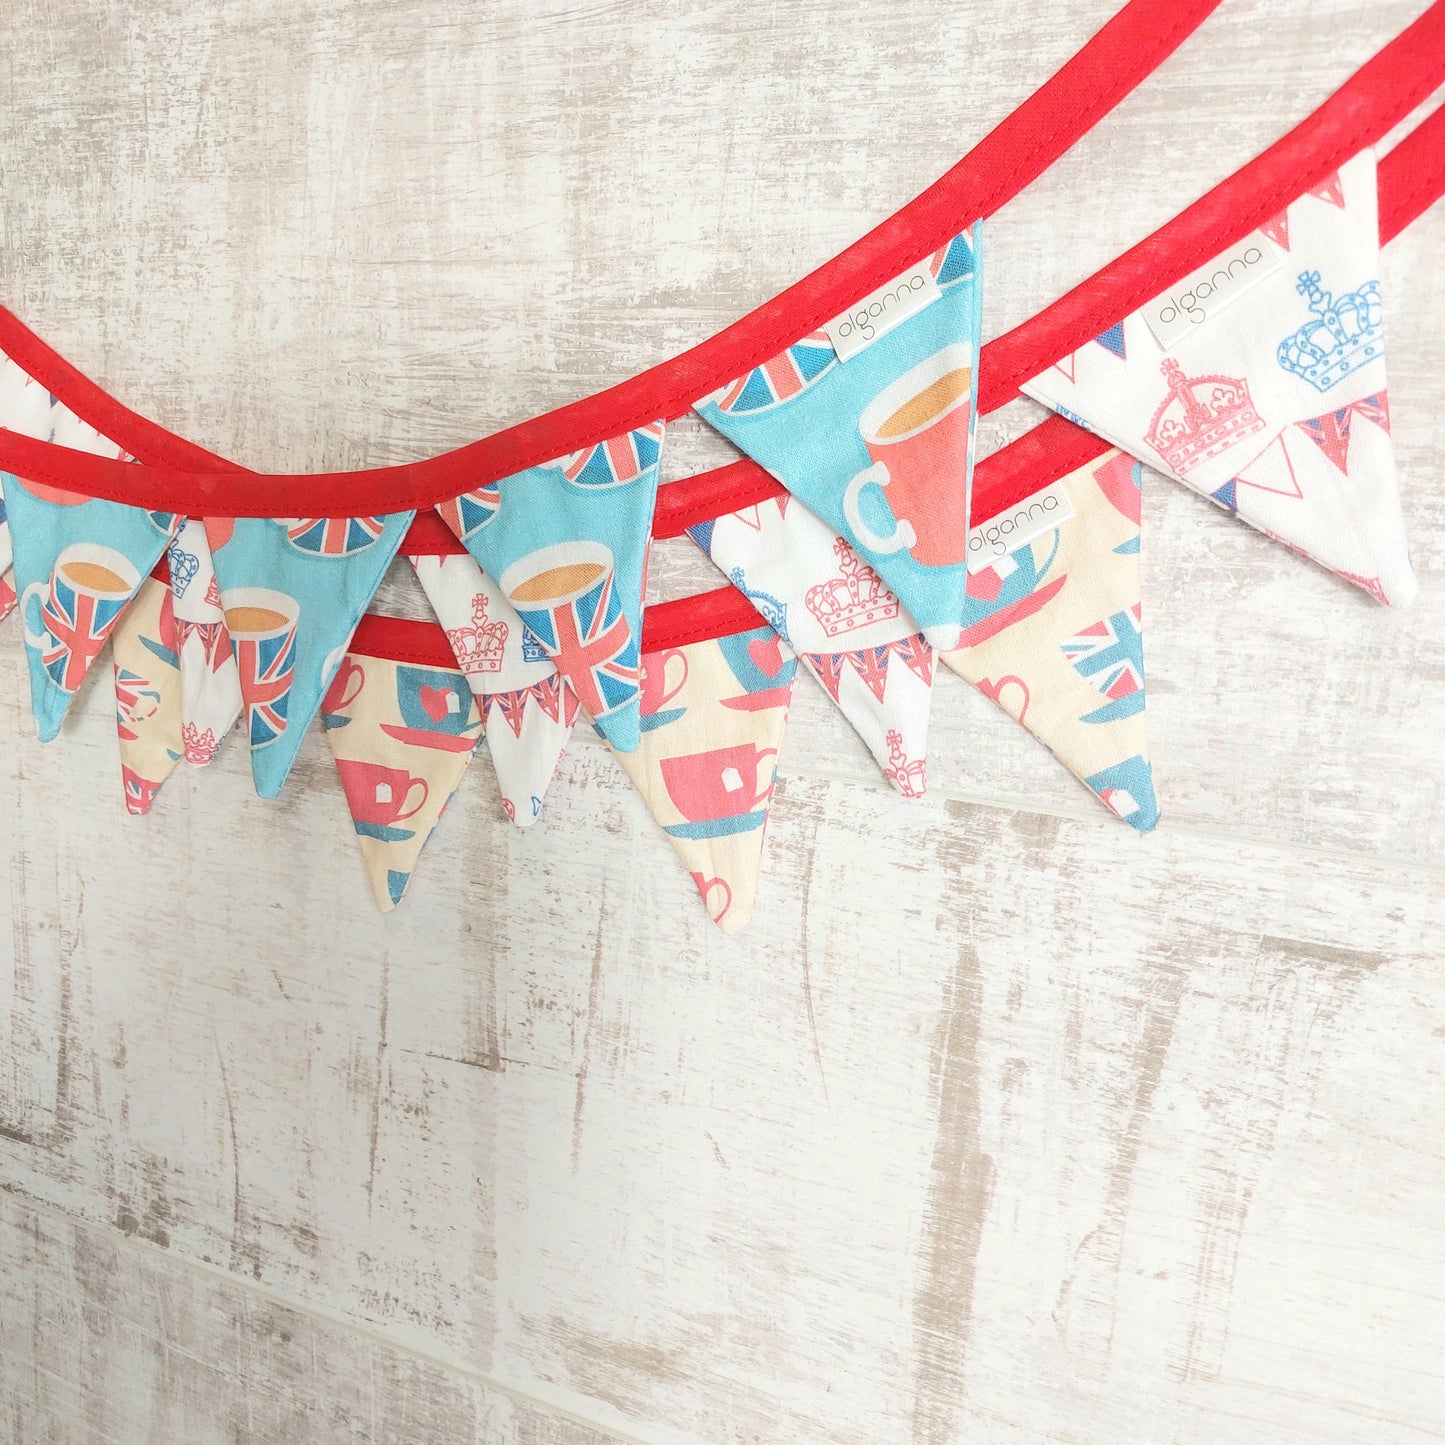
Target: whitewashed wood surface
[999, 1124]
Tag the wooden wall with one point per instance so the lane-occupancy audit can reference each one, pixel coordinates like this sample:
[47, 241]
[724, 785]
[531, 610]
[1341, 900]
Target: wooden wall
[999, 1124]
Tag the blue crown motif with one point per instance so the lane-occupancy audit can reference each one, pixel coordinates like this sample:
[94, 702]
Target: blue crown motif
[1344, 334]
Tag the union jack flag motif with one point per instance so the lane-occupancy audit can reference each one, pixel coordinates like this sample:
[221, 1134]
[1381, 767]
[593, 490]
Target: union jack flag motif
[331, 536]
[471, 511]
[588, 641]
[77, 625]
[552, 695]
[1331, 432]
[266, 665]
[787, 375]
[615, 463]
[7, 594]
[871, 664]
[213, 637]
[954, 263]
[140, 792]
[1109, 654]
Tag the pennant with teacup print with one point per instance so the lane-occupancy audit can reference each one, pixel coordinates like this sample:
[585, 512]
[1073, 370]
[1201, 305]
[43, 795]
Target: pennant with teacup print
[712, 724]
[1054, 632]
[570, 555]
[845, 626]
[78, 562]
[528, 707]
[147, 692]
[402, 736]
[880, 444]
[210, 685]
[292, 590]
[1259, 381]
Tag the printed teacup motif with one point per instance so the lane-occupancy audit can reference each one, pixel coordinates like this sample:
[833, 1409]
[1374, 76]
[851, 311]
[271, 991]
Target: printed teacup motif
[262, 624]
[566, 595]
[381, 797]
[718, 791]
[917, 431]
[69, 619]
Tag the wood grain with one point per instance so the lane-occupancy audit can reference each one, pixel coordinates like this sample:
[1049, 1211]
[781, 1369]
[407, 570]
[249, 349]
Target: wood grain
[999, 1123]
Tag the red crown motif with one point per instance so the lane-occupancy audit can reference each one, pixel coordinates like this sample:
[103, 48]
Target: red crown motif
[1201, 417]
[480, 647]
[853, 599]
[908, 775]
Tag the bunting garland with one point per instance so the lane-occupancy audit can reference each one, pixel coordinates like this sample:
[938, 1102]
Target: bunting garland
[856, 545]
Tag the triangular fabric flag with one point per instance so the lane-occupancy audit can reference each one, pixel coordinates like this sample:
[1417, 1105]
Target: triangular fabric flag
[78, 563]
[705, 769]
[1055, 634]
[880, 445]
[527, 705]
[402, 737]
[147, 693]
[1272, 403]
[570, 555]
[845, 626]
[292, 590]
[210, 684]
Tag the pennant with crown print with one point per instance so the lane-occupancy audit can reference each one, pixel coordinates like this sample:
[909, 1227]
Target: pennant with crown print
[569, 554]
[844, 625]
[402, 737]
[210, 685]
[147, 692]
[713, 717]
[880, 444]
[292, 590]
[1054, 630]
[1270, 397]
[78, 562]
[528, 707]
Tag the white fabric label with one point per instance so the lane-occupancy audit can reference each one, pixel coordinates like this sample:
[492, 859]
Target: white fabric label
[881, 310]
[990, 542]
[1204, 293]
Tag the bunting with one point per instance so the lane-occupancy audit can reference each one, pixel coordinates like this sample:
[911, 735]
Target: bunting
[528, 707]
[292, 590]
[845, 626]
[880, 445]
[402, 737]
[705, 765]
[1272, 401]
[1055, 631]
[567, 543]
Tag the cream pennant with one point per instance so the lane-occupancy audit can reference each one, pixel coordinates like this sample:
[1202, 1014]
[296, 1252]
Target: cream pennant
[1054, 634]
[705, 766]
[402, 737]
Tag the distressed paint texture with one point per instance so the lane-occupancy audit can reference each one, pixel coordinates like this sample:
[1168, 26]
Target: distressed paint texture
[998, 1124]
